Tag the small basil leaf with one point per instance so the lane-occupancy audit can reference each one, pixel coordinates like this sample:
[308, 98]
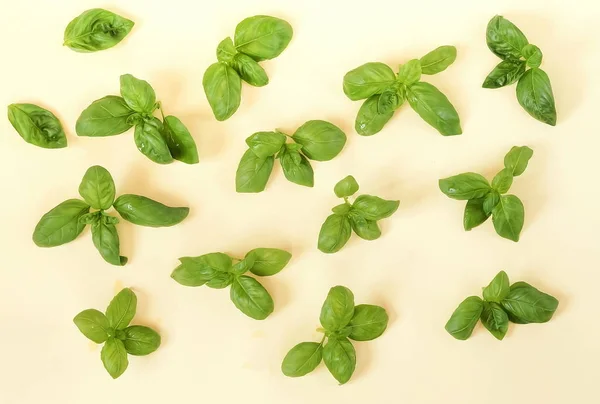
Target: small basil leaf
[335, 233]
[475, 213]
[114, 357]
[97, 188]
[196, 271]
[147, 212]
[262, 37]
[410, 72]
[320, 140]
[490, 201]
[367, 80]
[364, 228]
[438, 60]
[508, 217]
[341, 209]
[93, 324]
[179, 140]
[37, 126]
[220, 281]
[340, 358]
[223, 88]
[517, 159]
[96, 30]
[504, 39]
[533, 55]
[389, 101]
[251, 298]
[244, 265]
[61, 224]
[253, 172]
[346, 187]
[495, 319]
[465, 186]
[138, 94]
[226, 51]
[302, 359]
[368, 322]
[106, 241]
[140, 340]
[465, 317]
[529, 305]
[338, 308]
[505, 73]
[374, 208]
[297, 168]
[266, 144]
[108, 218]
[534, 93]
[108, 116]
[498, 288]
[121, 309]
[90, 218]
[503, 181]
[369, 121]
[434, 108]
[268, 261]
[149, 140]
[250, 71]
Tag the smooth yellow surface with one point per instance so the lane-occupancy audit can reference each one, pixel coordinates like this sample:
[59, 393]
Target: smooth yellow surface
[420, 269]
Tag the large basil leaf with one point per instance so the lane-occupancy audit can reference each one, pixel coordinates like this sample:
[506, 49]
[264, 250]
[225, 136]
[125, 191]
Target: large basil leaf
[253, 172]
[223, 88]
[268, 261]
[465, 317]
[495, 319]
[106, 241]
[107, 116]
[250, 71]
[138, 94]
[335, 233]
[528, 305]
[149, 140]
[505, 73]
[534, 93]
[517, 159]
[320, 140]
[37, 126]
[410, 72]
[179, 140]
[338, 308]
[196, 271]
[121, 309]
[364, 228]
[369, 121]
[438, 60]
[251, 298]
[302, 359]
[368, 322]
[374, 208]
[340, 358]
[346, 187]
[96, 30]
[266, 144]
[465, 186]
[498, 288]
[97, 188]
[503, 181]
[297, 168]
[434, 108]
[505, 39]
[226, 51]
[474, 213]
[61, 224]
[367, 80]
[146, 212]
[262, 37]
[508, 217]
[93, 324]
[114, 357]
[140, 340]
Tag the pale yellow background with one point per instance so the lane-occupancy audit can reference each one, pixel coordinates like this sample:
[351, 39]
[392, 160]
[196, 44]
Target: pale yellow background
[420, 269]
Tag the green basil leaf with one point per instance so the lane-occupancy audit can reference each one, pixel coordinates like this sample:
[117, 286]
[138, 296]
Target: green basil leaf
[503, 181]
[223, 88]
[251, 298]
[505, 73]
[335, 233]
[511, 317]
[465, 186]
[114, 357]
[490, 201]
[505, 39]
[338, 308]
[498, 288]
[475, 214]
[438, 60]
[533, 55]
[369, 121]
[410, 72]
[434, 108]
[534, 93]
[61, 224]
[93, 324]
[374, 208]
[250, 71]
[367, 80]
[226, 51]
[390, 100]
[149, 140]
[187, 275]
[262, 37]
[495, 319]
[108, 218]
[90, 218]
[528, 305]
[140, 340]
[96, 30]
[108, 116]
[196, 271]
[342, 209]
[97, 188]
[266, 144]
[465, 317]
[368, 322]
[340, 358]
[220, 281]
[106, 241]
[181, 144]
[364, 228]
[244, 265]
[37, 126]
[147, 212]
[297, 168]
[320, 140]
[268, 261]
[121, 309]
[517, 159]
[253, 172]
[138, 94]
[302, 359]
[346, 187]
[508, 217]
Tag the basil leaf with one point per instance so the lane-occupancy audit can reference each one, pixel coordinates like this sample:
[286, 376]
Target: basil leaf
[490, 201]
[389, 101]
[138, 94]
[374, 208]
[226, 51]
[262, 37]
[93, 324]
[367, 80]
[302, 359]
[503, 181]
[266, 144]
[97, 188]
[475, 214]
[121, 309]
[410, 72]
[37, 126]
[465, 186]
[438, 60]
[250, 71]
[505, 73]
[106, 241]
[96, 30]
[320, 140]
[533, 55]
[534, 93]
[61, 224]
[508, 217]
[179, 140]
[114, 357]
[342, 209]
[251, 298]
[335, 233]
[511, 317]
[498, 289]
[340, 358]
[368, 322]
[517, 159]
[338, 308]
[146, 212]
[150, 141]
[465, 317]
[434, 108]
[108, 116]
[223, 88]
[528, 305]
[297, 168]
[244, 265]
[346, 187]
[268, 261]
[90, 218]
[140, 340]
[369, 121]
[253, 172]
[364, 228]
[196, 271]
[220, 281]
[495, 319]
[504, 39]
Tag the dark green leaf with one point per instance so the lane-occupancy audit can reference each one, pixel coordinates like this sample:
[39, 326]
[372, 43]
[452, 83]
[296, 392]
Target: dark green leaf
[517, 159]
[498, 289]
[346, 187]
[61, 224]
[147, 212]
[364, 228]
[474, 213]
[140, 340]
[302, 359]
[533, 55]
[368, 322]
[505, 73]
[390, 100]
[338, 308]
[505, 39]
[226, 51]
[253, 172]
[107, 116]
[250, 71]
[534, 93]
[438, 60]
[526, 304]
[114, 357]
[266, 144]
[340, 358]
[367, 80]
[268, 261]
[138, 94]
[508, 217]
[263, 37]
[106, 241]
[121, 309]
[374, 208]
[149, 140]
[320, 140]
[434, 108]
[490, 201]
[410, 72]
[93, 324]
[465, 186]
[335, 233]
[297, 168]
[369, 121]
[495, 319]
[251, 298]
[96, 30]
[37, 126]
[465, 317]
[223, 88]
[97, 188]
[179, 140]
[503, 181]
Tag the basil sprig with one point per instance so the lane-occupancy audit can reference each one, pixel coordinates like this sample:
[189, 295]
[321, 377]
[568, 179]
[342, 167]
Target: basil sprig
[341, 321]
[485, 200]
[219, 270]
[160, 141]
[113, 330]
[66, 221]
[360, 217]
[519, 303]
[315, 140]
[95, 30]
[256, 39]
[385, 92]
[37, 126]
[520, 63]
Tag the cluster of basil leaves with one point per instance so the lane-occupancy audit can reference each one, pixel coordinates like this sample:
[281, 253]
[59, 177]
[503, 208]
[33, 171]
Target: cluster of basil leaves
[385, 92]
[95, 30]
[160, 141]
[519, 303]
[256, 39]
[316, 140]
[360, 216]
[520, 62]
[217, 271]
[66, 221]
[485, 200]
[113, 329]
[341, 321]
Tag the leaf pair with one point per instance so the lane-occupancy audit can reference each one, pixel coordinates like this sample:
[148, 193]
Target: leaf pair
[256, 39]
[385, 92]
[114, 331]
[66, 221]
[520, 63]
[485, 200]
[37, 125]
[160, 141]
[519, 303]
[360, 217]
[341, 320]
[95, 30]
[217, 271]
[315, 140]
